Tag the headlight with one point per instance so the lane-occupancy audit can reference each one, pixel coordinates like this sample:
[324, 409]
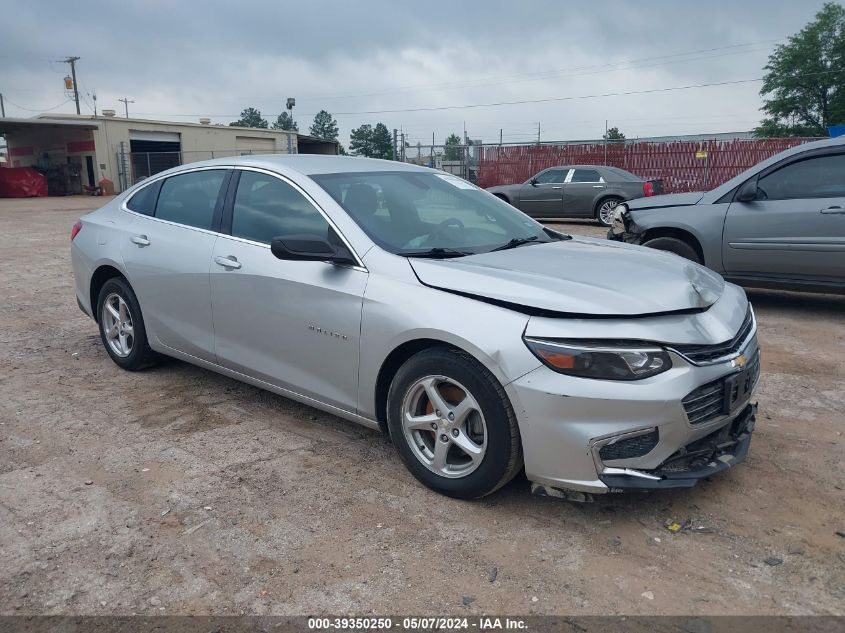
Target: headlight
[601, 361]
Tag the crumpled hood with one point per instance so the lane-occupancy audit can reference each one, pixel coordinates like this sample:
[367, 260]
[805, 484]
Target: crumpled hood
[668, 200]
[581, 276]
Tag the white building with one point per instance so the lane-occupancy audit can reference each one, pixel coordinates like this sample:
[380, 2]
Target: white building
[84, 150]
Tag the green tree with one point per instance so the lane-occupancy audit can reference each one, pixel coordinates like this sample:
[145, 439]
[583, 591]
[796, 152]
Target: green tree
[613, 134]
[324, 126]
[382, 142]
[372, 142]
[285, 122]
[804, 85]
[250, 117]
[361, 140]
[452, 149]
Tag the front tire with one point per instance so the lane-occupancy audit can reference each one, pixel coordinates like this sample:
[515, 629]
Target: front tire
[453, 424]
[674, 245]
[122, 326]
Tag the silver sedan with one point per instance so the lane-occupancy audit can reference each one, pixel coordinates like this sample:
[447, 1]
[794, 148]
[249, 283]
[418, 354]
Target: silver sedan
[410, 301]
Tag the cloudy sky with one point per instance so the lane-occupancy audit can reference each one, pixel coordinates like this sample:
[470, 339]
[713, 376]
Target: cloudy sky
[416, 65]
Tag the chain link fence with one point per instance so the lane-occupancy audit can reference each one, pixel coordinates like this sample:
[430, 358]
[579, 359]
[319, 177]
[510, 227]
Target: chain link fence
[682, 165]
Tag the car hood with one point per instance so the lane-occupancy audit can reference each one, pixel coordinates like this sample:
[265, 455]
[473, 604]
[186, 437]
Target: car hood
[668, 200]
[579, 277]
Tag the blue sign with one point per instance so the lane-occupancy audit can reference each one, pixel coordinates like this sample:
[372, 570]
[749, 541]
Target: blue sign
[836, 130]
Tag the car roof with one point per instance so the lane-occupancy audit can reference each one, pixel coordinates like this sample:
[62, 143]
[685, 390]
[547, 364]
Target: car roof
[308, 164]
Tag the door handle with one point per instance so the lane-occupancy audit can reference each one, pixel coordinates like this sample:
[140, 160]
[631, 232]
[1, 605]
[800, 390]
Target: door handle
[230, 262]
[833, 211]
[140, 240]
[557, 187]
[598, 186]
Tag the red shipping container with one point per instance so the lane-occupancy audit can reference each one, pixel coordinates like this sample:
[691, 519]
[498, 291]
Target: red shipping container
[22, 182]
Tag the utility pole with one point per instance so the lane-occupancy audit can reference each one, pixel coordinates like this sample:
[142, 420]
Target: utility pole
[605, 141]
[126, 101]
[72, 61]
[395, 145]
[538, 132]
[2, 107]
[500, 136]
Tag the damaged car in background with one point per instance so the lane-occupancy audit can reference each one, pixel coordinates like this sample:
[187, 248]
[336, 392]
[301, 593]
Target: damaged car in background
[780, 224]
[410, 301]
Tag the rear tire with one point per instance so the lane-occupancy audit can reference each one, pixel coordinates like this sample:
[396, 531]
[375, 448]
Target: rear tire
[604, 210]
[675, 245]
[442, 401]
[122, 326]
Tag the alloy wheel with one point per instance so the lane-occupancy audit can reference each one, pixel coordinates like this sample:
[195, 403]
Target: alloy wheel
[117, 325]
[606, 211]
[444, 426]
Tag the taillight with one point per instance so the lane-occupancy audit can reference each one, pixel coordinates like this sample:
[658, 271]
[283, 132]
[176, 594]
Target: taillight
[74, 231]
[648, 189]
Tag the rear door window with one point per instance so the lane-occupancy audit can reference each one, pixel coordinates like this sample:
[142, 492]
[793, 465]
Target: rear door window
[585, 175]
[191, 199]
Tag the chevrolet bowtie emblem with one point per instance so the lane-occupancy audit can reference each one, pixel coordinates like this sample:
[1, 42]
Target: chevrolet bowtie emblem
[740, 361]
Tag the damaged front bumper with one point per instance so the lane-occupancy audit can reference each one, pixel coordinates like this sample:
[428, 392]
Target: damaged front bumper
[623, 228]
[703, 458]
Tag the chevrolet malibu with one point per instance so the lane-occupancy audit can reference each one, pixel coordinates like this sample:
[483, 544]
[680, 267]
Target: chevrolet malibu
[410, 301]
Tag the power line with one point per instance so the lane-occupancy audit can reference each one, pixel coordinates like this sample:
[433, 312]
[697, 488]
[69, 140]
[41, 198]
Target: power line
[570, 71]
[37, 109]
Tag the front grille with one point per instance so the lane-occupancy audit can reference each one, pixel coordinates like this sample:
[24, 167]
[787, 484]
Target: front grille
[712, 400]
[709, 353]
[636, 446]
[705, 449]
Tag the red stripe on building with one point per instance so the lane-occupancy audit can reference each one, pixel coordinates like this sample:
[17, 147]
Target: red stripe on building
[80, 146]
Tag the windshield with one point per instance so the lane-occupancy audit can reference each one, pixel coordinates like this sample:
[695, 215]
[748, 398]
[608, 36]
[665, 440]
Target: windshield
[430, 214]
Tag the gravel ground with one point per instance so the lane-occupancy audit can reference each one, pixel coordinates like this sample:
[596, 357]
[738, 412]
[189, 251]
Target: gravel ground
[179, 491]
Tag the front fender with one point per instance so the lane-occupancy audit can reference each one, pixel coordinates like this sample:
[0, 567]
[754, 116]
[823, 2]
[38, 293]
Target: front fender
[704, 222]
[398, 309]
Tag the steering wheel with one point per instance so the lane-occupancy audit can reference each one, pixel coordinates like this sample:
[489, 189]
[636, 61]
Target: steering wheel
[439, 229]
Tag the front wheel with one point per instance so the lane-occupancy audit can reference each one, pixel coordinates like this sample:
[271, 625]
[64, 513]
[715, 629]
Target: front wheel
[674, 245]
[453, 425]
[604, 210]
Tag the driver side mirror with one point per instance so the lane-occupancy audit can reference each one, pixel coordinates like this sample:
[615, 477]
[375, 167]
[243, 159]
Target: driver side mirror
[748, 191]
[310, 248]
[533, 182]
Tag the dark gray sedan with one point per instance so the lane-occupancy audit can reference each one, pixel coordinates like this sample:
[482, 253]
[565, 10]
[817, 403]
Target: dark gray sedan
[576, 191]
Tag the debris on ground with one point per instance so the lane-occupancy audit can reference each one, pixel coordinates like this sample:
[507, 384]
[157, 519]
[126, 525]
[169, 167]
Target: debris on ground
[467, 600]
[648, 595]
[494, 573]
[165, 512]
[772, 561]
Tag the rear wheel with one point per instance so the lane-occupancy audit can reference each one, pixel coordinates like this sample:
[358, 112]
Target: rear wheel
[122, 326]
[604, 210]
[453, 425]
[674, 245]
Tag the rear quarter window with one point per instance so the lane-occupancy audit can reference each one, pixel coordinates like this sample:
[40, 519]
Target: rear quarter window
[144, 200]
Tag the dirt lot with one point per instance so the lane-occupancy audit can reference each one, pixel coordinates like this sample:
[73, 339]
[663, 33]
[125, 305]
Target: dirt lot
[179, 491]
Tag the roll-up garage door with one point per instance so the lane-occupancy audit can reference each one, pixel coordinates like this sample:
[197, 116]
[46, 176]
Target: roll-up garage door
[153, 151]
[254, 145]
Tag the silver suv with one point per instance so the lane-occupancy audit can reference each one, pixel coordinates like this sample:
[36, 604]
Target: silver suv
[781, 224]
